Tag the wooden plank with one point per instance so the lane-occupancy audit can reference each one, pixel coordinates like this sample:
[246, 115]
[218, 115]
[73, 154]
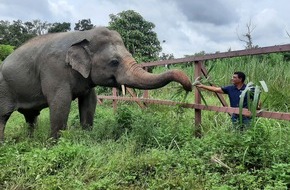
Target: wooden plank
[133, 94]
[255, 51]
[264, 114]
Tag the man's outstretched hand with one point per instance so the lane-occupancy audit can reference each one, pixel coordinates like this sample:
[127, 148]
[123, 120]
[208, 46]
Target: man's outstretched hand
[196, 82]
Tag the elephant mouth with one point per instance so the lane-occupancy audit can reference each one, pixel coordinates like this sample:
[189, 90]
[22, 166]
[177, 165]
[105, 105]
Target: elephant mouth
[112, 82]
[119, 86]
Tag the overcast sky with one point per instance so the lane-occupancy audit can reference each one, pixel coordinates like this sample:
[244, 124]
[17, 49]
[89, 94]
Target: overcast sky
[187, 26]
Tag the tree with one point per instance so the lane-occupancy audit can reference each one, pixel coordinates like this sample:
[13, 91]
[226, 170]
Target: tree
[14, 34]
[4, 31]
[84, 24]
[59, 27]
[17, 33]
[165, 56]
[247, 37]
[137, 34]
[40, 28]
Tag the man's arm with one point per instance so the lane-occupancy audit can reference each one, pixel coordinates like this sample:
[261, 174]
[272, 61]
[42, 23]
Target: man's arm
[211, 88]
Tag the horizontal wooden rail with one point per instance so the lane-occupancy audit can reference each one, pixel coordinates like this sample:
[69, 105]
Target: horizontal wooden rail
[254, 51]
[265, 114]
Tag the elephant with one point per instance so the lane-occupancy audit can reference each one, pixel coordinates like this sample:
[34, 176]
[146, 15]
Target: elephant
[54, 69]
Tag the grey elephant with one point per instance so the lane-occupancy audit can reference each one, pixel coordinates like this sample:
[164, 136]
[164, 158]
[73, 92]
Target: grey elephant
[54, 69]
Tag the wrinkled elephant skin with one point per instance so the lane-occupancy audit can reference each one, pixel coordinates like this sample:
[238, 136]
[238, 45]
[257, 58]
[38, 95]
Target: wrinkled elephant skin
[54, 69]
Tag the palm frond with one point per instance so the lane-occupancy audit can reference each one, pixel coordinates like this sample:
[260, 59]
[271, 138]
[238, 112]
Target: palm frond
[264, 85]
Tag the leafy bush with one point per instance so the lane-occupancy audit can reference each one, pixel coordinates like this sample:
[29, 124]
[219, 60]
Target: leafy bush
[5, 50]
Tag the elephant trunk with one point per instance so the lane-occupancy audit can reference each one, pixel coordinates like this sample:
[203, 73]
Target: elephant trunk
[137, 77]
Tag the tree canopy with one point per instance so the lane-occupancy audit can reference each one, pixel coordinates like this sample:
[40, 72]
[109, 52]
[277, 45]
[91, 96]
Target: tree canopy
[137, 34]
[17, 32]
[59, 27]
[84, 24]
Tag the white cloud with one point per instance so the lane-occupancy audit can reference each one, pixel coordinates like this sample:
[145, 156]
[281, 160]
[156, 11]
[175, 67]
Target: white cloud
[61, 9]
[187, 27]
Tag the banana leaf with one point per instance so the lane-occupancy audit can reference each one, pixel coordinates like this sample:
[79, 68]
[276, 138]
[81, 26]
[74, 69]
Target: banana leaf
[242, 97]
[264, 86]
[255, 102]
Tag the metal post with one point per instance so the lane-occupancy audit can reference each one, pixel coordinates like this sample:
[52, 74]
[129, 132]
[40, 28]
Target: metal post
[197, 112]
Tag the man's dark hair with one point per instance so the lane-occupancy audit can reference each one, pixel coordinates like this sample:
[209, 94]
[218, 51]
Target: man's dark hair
[241, 75]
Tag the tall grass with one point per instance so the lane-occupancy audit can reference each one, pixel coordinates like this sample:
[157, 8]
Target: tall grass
[272, 69]
[155, 147]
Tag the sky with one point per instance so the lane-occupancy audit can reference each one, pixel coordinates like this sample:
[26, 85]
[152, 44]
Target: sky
[183, 27]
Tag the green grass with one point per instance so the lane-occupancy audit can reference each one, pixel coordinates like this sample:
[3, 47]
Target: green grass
[154, 148]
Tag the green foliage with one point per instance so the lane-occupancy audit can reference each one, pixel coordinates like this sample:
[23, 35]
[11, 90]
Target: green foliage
[152, 148]
[18, 32]
[15, 33]
[271, 68]
[5, 50]
[137, 34]
[155, 147]
[59, 27]
[84, 24]
[37, 27]
[100, 90]
[166, 56]
[253, 98]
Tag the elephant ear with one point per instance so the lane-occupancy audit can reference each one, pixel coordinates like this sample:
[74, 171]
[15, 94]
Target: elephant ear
[78, 56]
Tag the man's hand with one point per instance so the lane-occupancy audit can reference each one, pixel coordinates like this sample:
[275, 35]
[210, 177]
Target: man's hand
[196, 82]
[247, 113]
[209, 88]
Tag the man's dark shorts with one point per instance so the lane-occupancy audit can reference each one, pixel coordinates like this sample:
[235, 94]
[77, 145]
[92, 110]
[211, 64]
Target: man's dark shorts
[246, 122]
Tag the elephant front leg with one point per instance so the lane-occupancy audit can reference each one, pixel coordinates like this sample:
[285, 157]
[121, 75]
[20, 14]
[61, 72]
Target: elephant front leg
[31, 120]
[59, 111]
[87, 106]
[3, 121]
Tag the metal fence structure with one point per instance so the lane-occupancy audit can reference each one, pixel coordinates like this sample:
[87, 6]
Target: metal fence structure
[199, 70]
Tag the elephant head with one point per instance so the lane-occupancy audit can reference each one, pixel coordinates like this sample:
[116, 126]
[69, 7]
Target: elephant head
[102, 57]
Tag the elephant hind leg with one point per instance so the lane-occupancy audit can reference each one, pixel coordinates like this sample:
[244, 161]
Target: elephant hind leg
[31, 119]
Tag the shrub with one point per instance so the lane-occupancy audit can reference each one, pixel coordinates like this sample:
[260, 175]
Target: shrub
[5, 50]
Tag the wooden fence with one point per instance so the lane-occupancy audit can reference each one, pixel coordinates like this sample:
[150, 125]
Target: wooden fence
[200, 70]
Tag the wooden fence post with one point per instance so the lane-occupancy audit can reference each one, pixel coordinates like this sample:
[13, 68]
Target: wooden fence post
[197, 112]
[115, 102]
[146, 92]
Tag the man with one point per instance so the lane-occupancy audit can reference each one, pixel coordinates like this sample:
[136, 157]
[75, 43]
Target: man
[234, 92]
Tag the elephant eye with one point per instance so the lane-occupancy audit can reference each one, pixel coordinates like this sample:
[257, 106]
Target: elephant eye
[114, 63]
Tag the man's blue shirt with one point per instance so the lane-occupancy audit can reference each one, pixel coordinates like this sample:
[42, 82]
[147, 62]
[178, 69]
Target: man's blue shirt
[234, 95]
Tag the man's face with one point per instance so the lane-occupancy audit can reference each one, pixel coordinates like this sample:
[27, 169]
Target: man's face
[235, 79]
